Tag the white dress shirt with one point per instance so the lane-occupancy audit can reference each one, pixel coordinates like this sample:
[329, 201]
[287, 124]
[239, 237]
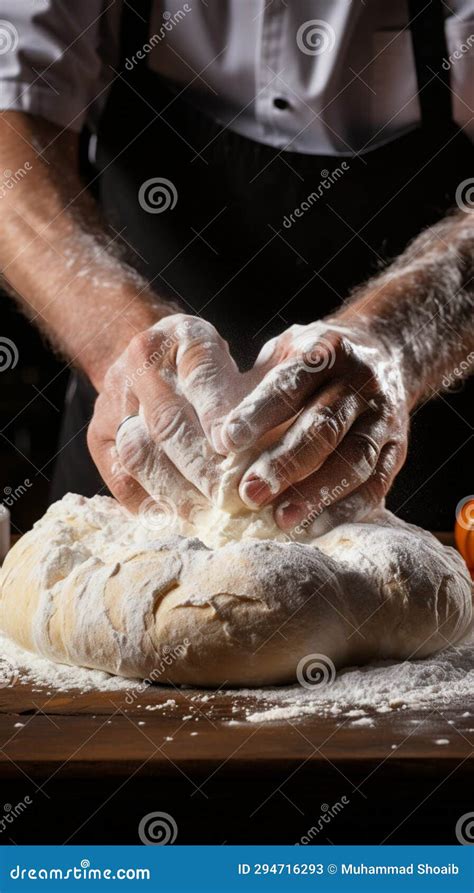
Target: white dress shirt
[318, 76]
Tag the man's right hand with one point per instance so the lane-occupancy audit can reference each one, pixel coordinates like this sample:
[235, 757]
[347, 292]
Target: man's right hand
[158, 415]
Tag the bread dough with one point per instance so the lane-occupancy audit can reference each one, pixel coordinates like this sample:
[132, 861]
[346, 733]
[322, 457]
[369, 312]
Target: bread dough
[91, 586]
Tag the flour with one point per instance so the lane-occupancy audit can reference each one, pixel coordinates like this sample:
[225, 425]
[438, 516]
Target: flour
[23, 668]
[438, 682]
[356, 696]
[92, 586]
[183, 510]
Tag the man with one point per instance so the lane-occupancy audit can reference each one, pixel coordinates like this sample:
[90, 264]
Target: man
[258, 162]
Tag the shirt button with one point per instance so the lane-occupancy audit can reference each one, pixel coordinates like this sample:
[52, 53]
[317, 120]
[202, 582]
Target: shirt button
[281, 103]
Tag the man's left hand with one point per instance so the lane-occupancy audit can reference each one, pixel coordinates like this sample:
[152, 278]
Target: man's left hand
[341, 393]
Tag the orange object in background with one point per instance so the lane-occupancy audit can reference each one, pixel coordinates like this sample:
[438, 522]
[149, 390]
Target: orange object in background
[464, 531]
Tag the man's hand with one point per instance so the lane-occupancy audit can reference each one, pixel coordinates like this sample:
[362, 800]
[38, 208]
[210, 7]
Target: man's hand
[179, 379]
[342, 393]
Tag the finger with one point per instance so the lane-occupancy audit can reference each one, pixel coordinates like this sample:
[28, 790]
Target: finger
[174, 427]
[283, 392]
[208, 376]
[167, 365]
[102, 448]
[147, 463]
[340, 502]
[345, 469]
[316, 432]
[366, 501]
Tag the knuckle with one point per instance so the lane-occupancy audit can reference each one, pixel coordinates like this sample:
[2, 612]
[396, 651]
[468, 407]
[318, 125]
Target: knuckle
[196, 361]
[341, 344]
[330, 430]
[165, 421]
[366, 379]
[140, 346]
[175, 319]
[183, 326]
[367, 452]
[284, 467]
[194, 327]
[178, 319]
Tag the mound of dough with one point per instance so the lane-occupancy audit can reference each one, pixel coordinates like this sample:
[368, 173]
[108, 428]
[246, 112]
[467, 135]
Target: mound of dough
[91, 586]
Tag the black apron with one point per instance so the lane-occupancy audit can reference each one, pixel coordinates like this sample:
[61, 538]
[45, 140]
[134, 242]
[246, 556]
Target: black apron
[232, 250]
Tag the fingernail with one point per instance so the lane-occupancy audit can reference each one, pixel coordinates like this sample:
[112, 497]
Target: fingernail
[289, 514]
[239, 434]
[320, 525]
[254, 491]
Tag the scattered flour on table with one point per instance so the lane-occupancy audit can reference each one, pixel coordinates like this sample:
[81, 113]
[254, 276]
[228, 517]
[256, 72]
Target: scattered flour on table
[22, 667]
[442, 680]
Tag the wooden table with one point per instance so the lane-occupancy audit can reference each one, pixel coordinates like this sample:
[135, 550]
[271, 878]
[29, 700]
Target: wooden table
[94, 764]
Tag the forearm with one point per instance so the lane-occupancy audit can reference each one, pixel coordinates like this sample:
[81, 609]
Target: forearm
[423, 305]
[63, 266]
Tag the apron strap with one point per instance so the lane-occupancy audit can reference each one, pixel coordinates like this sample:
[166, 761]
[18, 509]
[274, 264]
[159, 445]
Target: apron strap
[428, 36]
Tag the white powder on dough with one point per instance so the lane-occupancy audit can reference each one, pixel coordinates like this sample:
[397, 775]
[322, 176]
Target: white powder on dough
[380, 687]
[441, 681]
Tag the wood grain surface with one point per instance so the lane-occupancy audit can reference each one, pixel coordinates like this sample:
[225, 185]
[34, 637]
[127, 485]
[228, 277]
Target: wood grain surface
[78, 731]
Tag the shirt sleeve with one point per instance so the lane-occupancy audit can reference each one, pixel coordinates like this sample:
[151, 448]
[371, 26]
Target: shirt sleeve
[49, 60]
